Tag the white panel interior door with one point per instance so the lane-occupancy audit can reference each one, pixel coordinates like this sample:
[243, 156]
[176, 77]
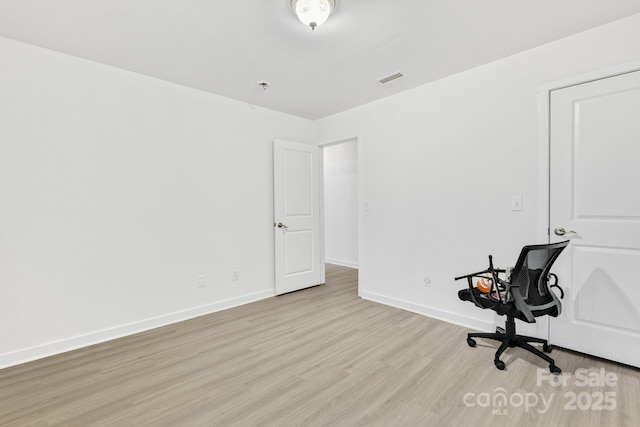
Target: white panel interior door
[297, 216]
[595, 198]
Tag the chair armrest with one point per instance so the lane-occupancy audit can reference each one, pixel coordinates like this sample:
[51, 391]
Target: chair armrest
[482, 275]
[472, 275]
[555, 284]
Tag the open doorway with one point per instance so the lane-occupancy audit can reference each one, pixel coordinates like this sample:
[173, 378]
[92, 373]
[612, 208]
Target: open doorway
[341, 222]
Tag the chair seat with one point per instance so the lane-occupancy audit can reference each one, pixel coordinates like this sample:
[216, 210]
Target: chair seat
[502, 308]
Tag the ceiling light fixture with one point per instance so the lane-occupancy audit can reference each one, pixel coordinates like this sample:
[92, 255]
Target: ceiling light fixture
[313, 12]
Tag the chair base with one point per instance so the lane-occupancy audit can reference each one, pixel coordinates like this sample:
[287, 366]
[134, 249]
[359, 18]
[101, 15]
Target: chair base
[509, 338]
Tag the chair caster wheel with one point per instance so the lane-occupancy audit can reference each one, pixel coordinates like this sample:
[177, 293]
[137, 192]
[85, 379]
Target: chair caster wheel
[546, 348]
[471, 342]
[499, 364]
[554, 370]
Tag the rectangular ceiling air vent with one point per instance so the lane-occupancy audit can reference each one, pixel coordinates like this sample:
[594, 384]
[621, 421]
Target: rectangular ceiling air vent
[390, 78]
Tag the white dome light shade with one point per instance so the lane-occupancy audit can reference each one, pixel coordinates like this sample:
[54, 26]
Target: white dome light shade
[313, 12]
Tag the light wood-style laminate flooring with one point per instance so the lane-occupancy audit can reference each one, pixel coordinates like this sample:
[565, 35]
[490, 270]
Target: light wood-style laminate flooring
[320, 356]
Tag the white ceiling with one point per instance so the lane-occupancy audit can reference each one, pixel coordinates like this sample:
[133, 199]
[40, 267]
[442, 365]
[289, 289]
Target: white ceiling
[227, 46]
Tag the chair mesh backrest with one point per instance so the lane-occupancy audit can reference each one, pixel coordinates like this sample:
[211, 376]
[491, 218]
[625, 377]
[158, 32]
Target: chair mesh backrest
[532, 269]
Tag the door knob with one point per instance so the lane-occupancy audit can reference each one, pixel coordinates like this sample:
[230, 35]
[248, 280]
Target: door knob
[559, 231]
[281, 225]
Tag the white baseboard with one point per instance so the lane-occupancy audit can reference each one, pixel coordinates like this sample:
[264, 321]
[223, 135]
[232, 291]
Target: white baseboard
[446, 316]
[341, 262]
[49, 349]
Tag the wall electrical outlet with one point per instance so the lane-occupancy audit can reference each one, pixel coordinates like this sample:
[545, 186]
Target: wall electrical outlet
[235, 275]
[426, 281]
[201, 281]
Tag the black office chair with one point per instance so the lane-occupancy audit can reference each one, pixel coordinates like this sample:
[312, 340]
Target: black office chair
[525, 296]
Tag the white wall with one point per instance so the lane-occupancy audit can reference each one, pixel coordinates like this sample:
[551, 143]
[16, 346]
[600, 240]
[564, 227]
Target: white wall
[440, 163]
[117, 191]
[341, 203]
